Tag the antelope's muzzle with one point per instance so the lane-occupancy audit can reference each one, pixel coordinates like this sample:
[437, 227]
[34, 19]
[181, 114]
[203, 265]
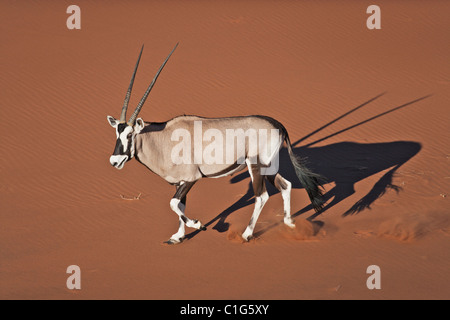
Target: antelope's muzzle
[118, 161]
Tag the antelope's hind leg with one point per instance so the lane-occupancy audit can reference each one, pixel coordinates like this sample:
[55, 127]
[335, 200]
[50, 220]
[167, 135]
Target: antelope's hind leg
[178, 205]
[261, 197]
[284, 186]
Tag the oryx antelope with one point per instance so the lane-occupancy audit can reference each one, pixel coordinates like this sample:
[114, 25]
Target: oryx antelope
[152, 145]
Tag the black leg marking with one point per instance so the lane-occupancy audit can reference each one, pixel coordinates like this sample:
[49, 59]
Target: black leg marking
[278, 182]
[182, 191]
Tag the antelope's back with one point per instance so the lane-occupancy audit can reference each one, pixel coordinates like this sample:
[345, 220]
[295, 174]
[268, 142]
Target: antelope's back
[192, 147]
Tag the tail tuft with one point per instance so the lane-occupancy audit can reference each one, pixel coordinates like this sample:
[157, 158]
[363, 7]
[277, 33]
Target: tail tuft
[309, 179]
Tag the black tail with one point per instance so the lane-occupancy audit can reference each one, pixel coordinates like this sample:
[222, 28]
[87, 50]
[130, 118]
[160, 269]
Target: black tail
[308, 179]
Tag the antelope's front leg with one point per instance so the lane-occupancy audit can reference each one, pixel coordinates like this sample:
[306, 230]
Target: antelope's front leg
[178, 205]
[178, 208]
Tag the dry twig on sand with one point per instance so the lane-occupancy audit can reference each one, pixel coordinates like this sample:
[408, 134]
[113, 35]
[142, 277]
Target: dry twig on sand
[134, 198]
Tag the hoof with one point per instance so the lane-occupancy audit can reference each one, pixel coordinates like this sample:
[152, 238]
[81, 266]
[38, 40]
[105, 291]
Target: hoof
[174, 241]
[247, 237]
[198, 225]
[248, 234]
[289, 223]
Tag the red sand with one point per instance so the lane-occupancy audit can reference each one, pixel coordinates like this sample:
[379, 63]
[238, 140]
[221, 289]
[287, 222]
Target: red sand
[303, 63]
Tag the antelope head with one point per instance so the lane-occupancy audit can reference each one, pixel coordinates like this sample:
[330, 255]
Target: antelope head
[126, 131]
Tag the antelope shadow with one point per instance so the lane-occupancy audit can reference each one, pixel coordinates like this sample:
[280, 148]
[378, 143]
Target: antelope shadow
[343, 163]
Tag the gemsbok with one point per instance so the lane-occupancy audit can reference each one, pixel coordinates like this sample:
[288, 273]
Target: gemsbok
[187, 148]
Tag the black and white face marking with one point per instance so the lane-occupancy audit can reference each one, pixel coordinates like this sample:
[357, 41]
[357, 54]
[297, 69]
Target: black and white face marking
[124, 143]
[124, 149]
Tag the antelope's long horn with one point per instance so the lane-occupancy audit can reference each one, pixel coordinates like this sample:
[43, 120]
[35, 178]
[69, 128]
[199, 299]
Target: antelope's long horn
[141, 103]
[123, 114]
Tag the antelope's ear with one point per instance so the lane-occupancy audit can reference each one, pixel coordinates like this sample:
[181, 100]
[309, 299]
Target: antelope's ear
[139, 125]
[113, 122]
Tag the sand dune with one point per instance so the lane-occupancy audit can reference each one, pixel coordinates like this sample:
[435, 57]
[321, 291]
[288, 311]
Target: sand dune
[368, 109]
